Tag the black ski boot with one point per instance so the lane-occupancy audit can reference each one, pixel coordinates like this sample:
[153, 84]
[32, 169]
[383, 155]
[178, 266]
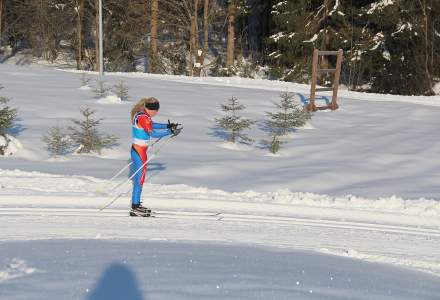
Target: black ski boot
[145, 208]
[138, 210]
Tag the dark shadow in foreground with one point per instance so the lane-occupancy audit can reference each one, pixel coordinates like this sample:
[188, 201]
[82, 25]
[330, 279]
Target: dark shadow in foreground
[118, 282]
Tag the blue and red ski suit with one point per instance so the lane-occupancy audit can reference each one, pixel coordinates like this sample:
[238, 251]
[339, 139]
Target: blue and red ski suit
[142, 129]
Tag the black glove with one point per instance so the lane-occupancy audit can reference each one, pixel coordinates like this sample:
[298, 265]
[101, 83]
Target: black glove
[172, 125]
[176, 131]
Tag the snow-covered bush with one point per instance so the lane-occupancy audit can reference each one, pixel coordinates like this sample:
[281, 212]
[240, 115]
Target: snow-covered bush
[121, 90]
[7, 116]
[86, 136]
[9, 145]
[242, 68]
[290, 115]
[233, 123]
[217, 70]
[101, 89]
[57, 141]
[84, 79]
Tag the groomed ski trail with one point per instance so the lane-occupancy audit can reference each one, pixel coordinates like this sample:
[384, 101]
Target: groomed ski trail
[407, 241]
[219, 216]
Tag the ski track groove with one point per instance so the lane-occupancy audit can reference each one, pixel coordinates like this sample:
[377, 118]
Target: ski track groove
[224, 217]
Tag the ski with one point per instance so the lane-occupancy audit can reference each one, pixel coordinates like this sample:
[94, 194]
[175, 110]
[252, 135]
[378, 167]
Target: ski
[139, 214]
[186, 213]
[177, 214]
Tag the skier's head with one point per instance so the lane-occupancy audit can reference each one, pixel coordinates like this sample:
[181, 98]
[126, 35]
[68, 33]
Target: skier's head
[149, 104]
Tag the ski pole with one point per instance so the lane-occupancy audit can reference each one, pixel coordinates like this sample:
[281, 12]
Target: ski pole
[120, 172]
[123, 183]
[120, 194]
[130, 163]
[119, 184]
[143, 165]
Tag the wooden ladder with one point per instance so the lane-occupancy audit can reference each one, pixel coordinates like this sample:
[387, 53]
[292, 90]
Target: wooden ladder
[317, 70]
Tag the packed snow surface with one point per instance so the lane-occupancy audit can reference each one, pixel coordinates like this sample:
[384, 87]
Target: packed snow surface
[80, 269]
[360, 183]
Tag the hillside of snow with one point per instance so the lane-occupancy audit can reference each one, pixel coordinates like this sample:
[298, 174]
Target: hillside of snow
[349, 209]
[366, 148]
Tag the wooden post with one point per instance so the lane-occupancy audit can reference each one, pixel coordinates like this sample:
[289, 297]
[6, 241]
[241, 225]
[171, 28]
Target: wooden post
[311, 106]
[334, 104]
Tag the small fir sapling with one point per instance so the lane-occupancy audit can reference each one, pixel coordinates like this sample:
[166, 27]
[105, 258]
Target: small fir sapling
[290, 115]
[7, 116]
[233, 123]
[84, 79]
[86, 135]
[274, 143]
[101, 89]
[121, 90]
[57, 141]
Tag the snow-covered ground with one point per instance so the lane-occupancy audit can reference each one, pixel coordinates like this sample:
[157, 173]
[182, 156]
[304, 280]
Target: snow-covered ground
[360, 182]
[81, 269]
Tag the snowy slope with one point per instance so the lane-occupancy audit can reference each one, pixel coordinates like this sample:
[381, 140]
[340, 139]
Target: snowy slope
[361, 182]
[369, 149]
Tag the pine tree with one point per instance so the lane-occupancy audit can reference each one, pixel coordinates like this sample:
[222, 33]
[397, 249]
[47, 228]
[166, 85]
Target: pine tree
[290, 115]
[101, 89]
[7, 116]
[397, 46]
[86, 135]
[121, 90]
[301, 26]
[84, 79]
[233, 123]
[57, 141]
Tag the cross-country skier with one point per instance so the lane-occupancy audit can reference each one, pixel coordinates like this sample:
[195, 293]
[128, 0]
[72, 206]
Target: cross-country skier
[143, 128]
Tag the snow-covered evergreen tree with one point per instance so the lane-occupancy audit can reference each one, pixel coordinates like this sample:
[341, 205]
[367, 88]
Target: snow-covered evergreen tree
[84, 79]
[7, 116]
[398, 44]
[86, 135]
[121, 90]
[301, 26]
[290, 115]
[57, 141]
[101, 89]
[233, 123]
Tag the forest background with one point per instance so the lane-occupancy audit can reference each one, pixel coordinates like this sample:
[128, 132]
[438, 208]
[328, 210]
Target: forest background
[390, 46]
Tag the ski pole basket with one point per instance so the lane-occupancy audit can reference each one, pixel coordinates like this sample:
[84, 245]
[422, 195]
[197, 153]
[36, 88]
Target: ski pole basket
[316, 70]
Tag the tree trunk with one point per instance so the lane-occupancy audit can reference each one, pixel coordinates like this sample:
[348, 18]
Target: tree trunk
[79, 32]
[426, 44]
[1, 21]
[232, 9]
[194, 38]
[153, 35]
[201, 54]
[97, 36]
